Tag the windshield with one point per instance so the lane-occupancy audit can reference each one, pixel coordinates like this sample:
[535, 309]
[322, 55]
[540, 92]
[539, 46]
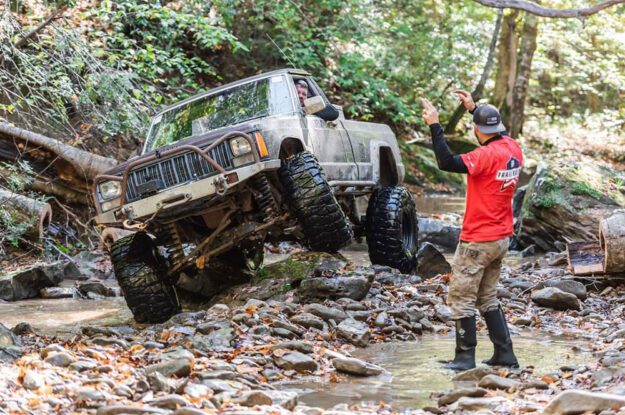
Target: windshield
[232, 106]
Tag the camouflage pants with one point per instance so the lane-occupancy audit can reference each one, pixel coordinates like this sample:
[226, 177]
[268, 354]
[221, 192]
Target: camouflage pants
[475, 273]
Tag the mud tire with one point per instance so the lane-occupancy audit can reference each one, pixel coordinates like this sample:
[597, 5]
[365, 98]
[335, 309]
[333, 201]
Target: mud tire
[310, 198]
[139, 271]
[392, 228]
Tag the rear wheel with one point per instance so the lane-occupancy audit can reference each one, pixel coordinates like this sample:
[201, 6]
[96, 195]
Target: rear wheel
[139, 270]
[392, 228]
[310, 197]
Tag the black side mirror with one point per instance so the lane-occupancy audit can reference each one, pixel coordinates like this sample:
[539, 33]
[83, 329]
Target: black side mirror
[316, 106]
[329, 113]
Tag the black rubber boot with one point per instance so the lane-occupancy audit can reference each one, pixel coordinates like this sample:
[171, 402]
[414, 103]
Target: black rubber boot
[500, 336]
[466, 340]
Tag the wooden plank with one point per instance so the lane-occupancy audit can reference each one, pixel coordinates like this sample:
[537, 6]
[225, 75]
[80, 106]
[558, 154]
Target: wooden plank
[585, 258]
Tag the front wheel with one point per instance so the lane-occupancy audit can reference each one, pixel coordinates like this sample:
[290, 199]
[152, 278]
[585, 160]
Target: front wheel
[392, 228]
[310, 197]
[139, 270]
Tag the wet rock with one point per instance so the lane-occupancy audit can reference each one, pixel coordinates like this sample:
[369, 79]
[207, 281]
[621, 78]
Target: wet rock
[50, 349]
[33, 380]
[439, 233]
[87, 395]
[299, 346]
[579, 401]
[498, 382]
[308, 320]
[111, 341]
[286, 399]
[354, 332]
[253, 398]
[520, 283]
[61, 359]
[219, 386]
[27, 283]
[443, 313]
[326, 313]
[475, 374]
[284, 333]
[394, 279]
[412, 314]
[219, 340]
[56, 292]
[82, 365]
[296, 361]
[477, 404]
[456, 394]
[7, 337]
[130, 410]
[177, 367]
[288, 326]
[23, 329]
[169, 402]
[430, 262]
[94, 286]
[355, 287]
[568, 286]
[555, 298]
[357, 367]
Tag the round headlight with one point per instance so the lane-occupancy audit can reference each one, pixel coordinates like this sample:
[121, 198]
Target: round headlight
[110, 189]
[240, 146]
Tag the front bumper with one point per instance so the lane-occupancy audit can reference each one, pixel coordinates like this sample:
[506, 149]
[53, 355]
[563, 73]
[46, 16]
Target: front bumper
[217, 184]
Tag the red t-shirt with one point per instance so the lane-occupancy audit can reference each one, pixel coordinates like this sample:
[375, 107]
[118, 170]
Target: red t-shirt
[493, 174]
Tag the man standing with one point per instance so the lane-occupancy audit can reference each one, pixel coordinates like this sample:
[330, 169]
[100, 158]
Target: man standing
[493, 172]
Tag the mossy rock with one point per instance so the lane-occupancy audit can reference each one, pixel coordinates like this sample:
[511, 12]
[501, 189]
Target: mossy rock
[566, 201]
[301, 265]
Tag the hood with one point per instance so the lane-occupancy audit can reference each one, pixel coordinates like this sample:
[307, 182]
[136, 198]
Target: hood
[198, 141]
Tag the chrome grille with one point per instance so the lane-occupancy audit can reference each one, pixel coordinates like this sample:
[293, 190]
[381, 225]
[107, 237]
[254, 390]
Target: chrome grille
[178, 169]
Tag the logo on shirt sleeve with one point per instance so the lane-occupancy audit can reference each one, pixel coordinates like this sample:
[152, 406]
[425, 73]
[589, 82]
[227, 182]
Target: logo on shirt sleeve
[510, 175]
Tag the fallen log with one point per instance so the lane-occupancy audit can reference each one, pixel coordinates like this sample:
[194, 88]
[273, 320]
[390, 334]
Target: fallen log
[23, 209]
[71, 162]
[566, 201]
[612, 240]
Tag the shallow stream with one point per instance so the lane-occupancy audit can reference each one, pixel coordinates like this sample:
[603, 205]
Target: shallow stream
[415, 371]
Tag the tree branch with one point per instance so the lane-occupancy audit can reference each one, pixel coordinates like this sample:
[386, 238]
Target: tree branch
[24, 39]
[533, 8]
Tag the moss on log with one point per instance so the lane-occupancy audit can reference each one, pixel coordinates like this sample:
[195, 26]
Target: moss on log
[566, 201]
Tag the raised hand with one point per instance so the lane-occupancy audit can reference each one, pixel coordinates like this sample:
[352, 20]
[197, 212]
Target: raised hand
[430, 114]
[466, 99]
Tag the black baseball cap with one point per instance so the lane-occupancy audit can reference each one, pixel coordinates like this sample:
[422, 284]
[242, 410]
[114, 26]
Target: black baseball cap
[488, 119]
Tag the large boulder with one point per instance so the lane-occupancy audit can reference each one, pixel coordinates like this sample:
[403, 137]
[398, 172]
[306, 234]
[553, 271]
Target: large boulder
[581, 402]
[555, 298]
[439, 233]
[28, 282]
[565, 201]
[430, 262]
[354, 285]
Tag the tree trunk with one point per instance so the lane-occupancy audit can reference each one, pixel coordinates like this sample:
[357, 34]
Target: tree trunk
[23, 209]
[506, 66]
[72, 163]
[479, 89]
[519, 92]
[612, 238]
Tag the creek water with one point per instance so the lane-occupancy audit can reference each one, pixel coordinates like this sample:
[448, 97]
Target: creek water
[415, 372]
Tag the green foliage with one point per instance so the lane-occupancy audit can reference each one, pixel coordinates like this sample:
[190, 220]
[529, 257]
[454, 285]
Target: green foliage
[16, 178]
[167, 45]
[584, 189]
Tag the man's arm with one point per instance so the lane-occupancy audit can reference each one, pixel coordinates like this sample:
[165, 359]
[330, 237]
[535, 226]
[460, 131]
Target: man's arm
[447, 160]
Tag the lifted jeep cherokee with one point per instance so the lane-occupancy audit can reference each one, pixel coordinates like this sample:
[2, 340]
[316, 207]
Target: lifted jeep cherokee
[224, 171]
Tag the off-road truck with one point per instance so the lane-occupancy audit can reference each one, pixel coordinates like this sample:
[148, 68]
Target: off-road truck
[226, 170]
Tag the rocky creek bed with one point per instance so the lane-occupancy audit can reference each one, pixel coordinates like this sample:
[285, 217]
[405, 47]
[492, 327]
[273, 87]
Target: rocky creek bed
[319, 319]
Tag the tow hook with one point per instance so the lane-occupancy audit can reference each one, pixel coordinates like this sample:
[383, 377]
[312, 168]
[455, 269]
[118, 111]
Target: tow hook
[221, 185]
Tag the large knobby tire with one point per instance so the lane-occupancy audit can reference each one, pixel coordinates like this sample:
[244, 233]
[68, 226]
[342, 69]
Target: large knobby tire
[392, 228]
[138, 269]
[323, 222]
